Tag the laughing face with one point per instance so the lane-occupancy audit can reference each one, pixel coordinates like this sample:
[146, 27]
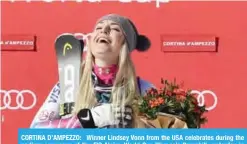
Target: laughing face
[106, 40]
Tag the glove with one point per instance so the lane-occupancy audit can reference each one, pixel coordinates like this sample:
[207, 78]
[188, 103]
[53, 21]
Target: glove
[105, 115]
[86, 119]
[99, 116]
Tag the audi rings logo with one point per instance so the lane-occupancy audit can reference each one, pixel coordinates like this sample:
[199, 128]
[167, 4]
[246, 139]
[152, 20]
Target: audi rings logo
[202, 97]
[8, 98]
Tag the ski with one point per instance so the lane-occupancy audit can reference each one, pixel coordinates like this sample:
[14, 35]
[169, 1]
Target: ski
[69, 57]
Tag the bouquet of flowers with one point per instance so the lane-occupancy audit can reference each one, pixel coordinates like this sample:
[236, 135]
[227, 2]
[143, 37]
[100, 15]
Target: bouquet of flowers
[171, 107]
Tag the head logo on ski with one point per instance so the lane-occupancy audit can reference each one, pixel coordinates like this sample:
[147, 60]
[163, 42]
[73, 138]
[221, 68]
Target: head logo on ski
[66, 47]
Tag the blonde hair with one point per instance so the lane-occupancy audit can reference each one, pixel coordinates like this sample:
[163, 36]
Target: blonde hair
[125, 90]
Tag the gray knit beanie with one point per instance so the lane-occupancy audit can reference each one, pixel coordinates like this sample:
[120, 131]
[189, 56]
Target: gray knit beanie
[134, 40]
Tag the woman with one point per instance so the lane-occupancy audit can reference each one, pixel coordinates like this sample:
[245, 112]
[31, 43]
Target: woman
[109, 87]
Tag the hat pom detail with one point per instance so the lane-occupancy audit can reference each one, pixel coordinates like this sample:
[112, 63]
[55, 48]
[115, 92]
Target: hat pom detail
[143, 43]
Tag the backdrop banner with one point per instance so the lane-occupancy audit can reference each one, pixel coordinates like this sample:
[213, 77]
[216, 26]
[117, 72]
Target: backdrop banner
[201, 44]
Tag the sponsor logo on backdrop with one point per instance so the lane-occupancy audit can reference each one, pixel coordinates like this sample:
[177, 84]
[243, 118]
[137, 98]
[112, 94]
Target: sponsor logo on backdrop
[17, 42]
[15, 99]
[204, 96]
[157, 2]
[188, 43]
[12, 42]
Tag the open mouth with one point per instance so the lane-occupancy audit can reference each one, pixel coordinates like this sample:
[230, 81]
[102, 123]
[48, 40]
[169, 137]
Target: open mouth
[103, 40]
